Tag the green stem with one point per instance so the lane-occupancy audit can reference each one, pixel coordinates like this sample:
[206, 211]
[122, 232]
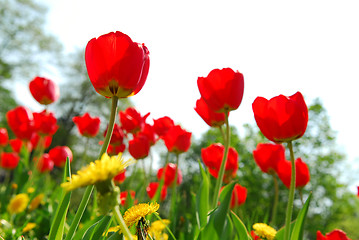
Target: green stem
[288, 216]
[174, 195]
[84, 154]
[117, 214]
[223, 164]
[275, 202]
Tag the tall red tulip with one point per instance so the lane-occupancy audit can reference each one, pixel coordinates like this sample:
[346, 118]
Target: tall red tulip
[267, 156]
[162, 125]
[9, 160]
[45, 123]
[88, 126]
[120, 178]
[59, 155]
[239, 195]
[139, 147]
[281, 119]
[117, 135]
[16, 144]
[336, 234]
[148, 132]
[132, 121]
[44, 90]
[213, 119]
[44, 163]
[152, 189]
[4, 137]
[21, 122]
[212, 157]
[169, 173]
[116, 65]
[302, 175]
[177, 139]
[222, 89]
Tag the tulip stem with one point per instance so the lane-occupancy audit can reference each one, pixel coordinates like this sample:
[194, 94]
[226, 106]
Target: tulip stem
[119, 219]
[275, 201]
[174, 195]
[288, 216]
[223, 164]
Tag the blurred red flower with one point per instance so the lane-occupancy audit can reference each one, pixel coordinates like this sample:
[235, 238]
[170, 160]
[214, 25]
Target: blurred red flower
[222, 89]
[152, 189]
[267, 156]
[38, 141]
[59, 154]
[281, 119]
[177, 140]
[44, 163]
[148, 132]
[4, 137]
[212, 157]
[120, 178]
[239, 195]
[21, 122]
[162, 125]
[124, 195]
[333, 235]
[132, 121]
[45, 123]
[255, 236]
[213, 119]
[302, 175]
[88, 126]
[15, 144]
[117, 135]
[169, 174]
[44, 90]
[139, 147]
[116, 65]
[9, 160]
[115, 150]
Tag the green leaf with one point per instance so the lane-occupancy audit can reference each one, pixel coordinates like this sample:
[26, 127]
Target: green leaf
[241, 230]
[58, 223]
[297, 233]
[97, 229]
[202, 200]
[280, 232]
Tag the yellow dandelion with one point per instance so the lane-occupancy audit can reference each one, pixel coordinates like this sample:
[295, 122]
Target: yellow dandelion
[14, 186]
[264, 231]
[30, 190]
[98, 171]
[35, 203]
[157, 228]
[135, 213]
[28, 227]
[18, 203]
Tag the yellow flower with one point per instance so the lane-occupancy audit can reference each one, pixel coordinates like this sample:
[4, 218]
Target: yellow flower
[36, 201]
[28, 227]
[135, 213]
[98, 171]
[157, 228]
[14, 186]
[18, 203]
[264, 231]
[30, 190]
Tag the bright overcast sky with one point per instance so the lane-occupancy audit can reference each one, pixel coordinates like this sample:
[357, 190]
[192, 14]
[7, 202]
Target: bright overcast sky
[280, 47]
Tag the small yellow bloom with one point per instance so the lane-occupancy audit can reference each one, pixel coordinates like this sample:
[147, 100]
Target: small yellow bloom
[264, 231]
[157, 228]
[98, 171]
[18, 203]
[30, 190]
[36, 201]
[28, 227]
[14, 186]
[135, 213]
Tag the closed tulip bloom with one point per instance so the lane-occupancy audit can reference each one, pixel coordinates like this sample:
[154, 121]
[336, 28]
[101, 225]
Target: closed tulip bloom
[239, 195]
[117, 135]
[15, 144]
[21, 122]
[169, 174]
[124, 195]
[213, 119]
[139, 147]
[336, 234]
[120, 177]
[222, 89]
[149, 132]
[44, 90]
[113, 150]
[4, 137]
[267, 156]
[302, 176]
[59, 155]
[9, 160]
[87, 126]
[162, 125]
[177, 140]
[132, 121]
[38, 142]
[45, 123]
[212, 157]
[116, 65]
[44, 163]
[152, 189]
[281, 119]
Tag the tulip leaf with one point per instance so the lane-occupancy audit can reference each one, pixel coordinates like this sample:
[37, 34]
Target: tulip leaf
[202, 200]
[239, 226]
[97, 229]
[280, 232]
[297, 233]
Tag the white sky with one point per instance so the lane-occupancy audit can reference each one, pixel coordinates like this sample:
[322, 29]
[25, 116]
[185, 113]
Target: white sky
[280, 47]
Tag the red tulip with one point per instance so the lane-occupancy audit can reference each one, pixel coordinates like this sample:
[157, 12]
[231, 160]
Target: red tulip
[9, 160]
[44, 90]
[213, 119]
[120, 178]
[21, 122]
[45, 123]
[116, 65]
[132, 121]
[124, 196]
[117, 135]
[281, 119]
[44, 163]
[169, 174]
[239, 195]
[162, 125]
[59, 155]
[267, 156]
[222, 89]
[115, 150]
[139, 147]
[212, 157]
[152, 189]
[333, 235]
[177, 140]
[302, 176]
[88, 126]
[4, 137]
[16, 145]
[254, 236]
[38, 141]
